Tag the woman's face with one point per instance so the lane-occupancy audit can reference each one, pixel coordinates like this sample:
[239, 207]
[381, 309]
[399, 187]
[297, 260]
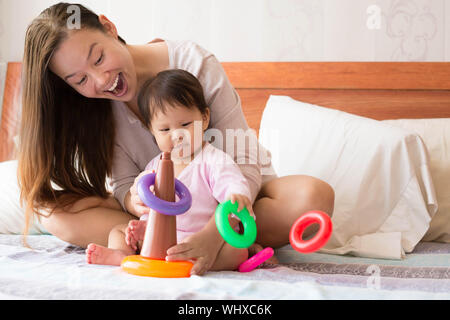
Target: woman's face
[179, 130]
[96, 64]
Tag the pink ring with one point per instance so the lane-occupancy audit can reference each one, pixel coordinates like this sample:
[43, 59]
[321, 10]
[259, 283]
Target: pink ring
[256, 260]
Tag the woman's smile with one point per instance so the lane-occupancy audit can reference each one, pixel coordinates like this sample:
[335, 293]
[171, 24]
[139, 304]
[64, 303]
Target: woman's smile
[119, 87]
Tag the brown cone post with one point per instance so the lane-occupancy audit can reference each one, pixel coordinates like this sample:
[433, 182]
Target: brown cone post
[161, 232]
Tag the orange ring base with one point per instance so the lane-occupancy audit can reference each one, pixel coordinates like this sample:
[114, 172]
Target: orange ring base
[146, 267]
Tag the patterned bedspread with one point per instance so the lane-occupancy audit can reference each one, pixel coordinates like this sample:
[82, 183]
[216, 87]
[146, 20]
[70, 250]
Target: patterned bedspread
[54, 269]
[426, 269]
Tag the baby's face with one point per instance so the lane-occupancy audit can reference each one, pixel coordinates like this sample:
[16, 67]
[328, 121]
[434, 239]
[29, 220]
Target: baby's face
[180, 131]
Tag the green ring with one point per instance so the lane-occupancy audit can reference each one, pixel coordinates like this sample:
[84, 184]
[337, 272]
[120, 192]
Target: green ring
[235, 239]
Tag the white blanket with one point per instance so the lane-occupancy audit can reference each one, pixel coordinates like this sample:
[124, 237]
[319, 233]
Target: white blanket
[57, 270]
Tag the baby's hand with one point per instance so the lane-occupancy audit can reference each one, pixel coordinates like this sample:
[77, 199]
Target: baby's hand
[138, 208]
[243, 201]
[135, 232]
[201, 247]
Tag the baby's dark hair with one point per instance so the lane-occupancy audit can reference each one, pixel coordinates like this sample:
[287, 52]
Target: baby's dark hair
[174, 87]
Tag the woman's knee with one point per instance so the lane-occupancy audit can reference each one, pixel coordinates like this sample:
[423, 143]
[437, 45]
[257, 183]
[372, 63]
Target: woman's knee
[57, 225]
[319, 194]
[84, 227]
[301, 191]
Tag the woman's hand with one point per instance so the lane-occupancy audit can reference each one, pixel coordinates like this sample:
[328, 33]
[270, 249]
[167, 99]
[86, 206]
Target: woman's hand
[243, 201]
[134, 203]
[201, 247]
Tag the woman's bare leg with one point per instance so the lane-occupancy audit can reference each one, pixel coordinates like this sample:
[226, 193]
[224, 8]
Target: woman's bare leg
[91, 225]
[282, 200]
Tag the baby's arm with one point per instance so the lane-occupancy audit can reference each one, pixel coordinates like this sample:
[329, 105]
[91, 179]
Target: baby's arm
[205, 246]
[228, 183]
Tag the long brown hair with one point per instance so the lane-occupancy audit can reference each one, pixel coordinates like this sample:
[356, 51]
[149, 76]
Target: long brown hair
[66, 140]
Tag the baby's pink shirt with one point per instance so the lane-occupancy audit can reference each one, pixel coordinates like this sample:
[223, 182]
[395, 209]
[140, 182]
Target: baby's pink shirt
[210, 177]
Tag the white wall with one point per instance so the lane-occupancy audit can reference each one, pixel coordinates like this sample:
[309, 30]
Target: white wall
[266, 30]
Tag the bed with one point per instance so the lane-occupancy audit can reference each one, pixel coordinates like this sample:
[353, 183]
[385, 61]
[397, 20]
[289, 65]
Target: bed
[54, 269]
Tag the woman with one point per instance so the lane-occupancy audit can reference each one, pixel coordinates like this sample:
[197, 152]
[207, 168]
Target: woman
[80, 124]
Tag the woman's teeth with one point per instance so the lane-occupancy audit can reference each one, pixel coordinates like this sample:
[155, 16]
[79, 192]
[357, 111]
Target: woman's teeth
[114, 84]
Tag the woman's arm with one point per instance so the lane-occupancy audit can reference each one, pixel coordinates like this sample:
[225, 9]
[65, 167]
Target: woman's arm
[124, 172]
[134, 148]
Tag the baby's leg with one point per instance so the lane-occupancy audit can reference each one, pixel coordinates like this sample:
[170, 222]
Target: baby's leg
[116, 251]
[229, 258]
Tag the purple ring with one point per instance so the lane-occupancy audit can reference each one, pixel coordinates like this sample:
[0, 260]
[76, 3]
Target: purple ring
[162, 206]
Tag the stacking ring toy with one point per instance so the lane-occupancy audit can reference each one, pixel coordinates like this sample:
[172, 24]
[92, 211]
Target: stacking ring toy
[235, 239]
[162, 206]
[256, 260]
[142, 266]
[316, 242]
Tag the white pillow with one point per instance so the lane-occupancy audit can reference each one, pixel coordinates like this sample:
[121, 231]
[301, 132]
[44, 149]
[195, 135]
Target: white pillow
[12, 216]
[436, 135]
[384, 194]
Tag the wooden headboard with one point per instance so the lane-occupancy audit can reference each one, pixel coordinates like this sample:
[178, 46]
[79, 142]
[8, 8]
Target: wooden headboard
[378, 90]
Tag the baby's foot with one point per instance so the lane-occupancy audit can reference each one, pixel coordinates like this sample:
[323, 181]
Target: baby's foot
[255, 248]
[96, 254]
[135, 232]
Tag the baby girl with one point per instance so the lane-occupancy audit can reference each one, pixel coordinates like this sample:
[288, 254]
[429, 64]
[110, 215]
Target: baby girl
[172, 106]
